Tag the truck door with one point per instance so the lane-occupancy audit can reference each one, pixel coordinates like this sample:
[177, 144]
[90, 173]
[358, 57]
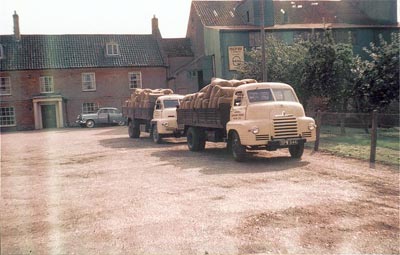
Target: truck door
[238, 110]
[158, 110]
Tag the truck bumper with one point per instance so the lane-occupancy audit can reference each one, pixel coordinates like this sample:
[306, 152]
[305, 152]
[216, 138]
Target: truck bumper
[284, 143]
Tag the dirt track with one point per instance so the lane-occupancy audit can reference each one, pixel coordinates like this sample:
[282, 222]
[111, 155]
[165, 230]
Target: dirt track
[90, 191]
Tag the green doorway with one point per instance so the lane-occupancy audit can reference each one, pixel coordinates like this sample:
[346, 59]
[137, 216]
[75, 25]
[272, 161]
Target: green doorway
[49, 118]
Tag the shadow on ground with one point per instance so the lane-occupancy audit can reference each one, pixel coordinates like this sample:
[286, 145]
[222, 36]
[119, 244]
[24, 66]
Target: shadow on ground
[144, 142]
[218, 161]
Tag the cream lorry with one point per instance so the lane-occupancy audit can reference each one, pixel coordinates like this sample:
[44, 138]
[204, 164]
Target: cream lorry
[152, 111]
[258, 116]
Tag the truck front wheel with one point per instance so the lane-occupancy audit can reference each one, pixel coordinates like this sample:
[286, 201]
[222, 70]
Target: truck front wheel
[157, 138]
[196, 139]
[133, 129]
[296, 151]
[238, 150]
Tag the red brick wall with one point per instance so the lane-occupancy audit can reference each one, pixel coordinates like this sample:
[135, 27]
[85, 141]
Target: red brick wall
[112, 89]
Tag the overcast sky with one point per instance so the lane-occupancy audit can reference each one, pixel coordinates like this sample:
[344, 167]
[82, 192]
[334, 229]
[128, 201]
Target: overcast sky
[95, 16]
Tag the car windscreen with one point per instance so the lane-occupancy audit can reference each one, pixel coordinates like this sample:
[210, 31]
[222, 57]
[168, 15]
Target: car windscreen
[171, 103]
[284, 95]
[259, 95]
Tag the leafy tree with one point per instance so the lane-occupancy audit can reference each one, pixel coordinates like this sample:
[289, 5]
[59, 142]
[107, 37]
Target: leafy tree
[328, 74]
[284, 62]
[377, 79]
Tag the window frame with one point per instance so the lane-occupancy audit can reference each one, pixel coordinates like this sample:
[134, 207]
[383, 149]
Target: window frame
[12, 118]
[112, 49]
[1, 51]
[138, 81]
[43, 84]
[87, 105]
[93, 82]
[6, 88]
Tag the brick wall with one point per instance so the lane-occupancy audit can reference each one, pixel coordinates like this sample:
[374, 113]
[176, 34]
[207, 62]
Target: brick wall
[112, 89]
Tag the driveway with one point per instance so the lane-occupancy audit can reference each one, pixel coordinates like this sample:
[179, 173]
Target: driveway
[91, 191]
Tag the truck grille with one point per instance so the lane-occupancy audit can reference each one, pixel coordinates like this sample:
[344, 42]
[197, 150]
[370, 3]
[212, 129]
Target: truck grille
[307, 134]
[262, 137]
[285, 127]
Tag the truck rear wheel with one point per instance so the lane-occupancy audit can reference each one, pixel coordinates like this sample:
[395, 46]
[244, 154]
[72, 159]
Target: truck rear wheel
[238, 150]
[134, 129]
[157, 138]
[196, 139]
[296, 151]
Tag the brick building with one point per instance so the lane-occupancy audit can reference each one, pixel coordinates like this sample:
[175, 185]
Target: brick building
[47, 80]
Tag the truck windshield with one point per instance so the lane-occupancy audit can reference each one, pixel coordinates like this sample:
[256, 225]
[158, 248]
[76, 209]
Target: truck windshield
[260, 95]
[284, 95]
[173, 103]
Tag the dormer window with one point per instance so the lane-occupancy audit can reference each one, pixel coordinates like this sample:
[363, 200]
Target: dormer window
[112, 49]
[1, 52]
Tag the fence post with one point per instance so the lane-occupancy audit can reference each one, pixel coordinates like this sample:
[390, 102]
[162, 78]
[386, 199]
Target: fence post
[318, 131]
[374, 136]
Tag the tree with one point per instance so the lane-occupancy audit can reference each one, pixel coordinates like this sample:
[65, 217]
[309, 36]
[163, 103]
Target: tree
[377, 79]
[284, 62]
[328, 74]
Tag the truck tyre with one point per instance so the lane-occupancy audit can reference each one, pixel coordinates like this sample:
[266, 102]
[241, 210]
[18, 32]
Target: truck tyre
[90, 123]
[238, 150]
[296, 151]
[133, 129]
[157, 138]
[196, 139]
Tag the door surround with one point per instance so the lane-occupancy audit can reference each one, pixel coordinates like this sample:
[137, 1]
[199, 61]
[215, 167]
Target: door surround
[52, 100]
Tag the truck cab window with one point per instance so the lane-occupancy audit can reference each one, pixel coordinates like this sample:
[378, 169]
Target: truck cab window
[158, 105]
[238, 98]
[284, 95]
[171, 103]
[260, 95]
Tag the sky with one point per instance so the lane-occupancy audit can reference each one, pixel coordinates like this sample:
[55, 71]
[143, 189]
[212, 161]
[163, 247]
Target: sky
[95, 16]
[98, 16]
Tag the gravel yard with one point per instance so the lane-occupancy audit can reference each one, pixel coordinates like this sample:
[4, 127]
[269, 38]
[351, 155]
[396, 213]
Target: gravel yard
[91, 191]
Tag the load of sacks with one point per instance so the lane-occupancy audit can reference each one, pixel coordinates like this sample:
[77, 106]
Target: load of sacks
[219, 92]
[146, 98]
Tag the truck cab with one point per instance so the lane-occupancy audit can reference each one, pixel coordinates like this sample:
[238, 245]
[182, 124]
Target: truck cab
[164, 122]
[268, 115]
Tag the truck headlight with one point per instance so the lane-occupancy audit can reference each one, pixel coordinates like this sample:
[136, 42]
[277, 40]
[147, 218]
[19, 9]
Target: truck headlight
[165, 124]
[255, 130]
[311, 126]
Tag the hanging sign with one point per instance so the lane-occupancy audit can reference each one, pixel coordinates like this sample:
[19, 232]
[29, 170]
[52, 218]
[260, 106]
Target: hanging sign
[236, 57]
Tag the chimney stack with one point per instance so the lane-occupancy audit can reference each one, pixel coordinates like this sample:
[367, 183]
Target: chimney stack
[17, 34]
[154, 27]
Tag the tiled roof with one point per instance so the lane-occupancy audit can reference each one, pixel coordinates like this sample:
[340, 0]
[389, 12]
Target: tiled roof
[308, 12]
[218, 13]
[78, 51]
[179, 47]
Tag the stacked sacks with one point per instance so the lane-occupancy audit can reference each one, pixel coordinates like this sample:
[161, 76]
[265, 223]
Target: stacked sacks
[219, 92]
[146, 98]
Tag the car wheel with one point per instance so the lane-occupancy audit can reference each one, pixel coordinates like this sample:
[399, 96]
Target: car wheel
[90, 123]
[238, 150]
[296, 151]
[157, 138]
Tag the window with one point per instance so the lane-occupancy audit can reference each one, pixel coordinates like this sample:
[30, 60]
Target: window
[171, 103]
[5, 86]
[259, 95]
[284, 95]
[112, 49]
[135, 80]
[1, 51]
[7, 116]
[46, 84]
[89, 107]
[88, 82]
